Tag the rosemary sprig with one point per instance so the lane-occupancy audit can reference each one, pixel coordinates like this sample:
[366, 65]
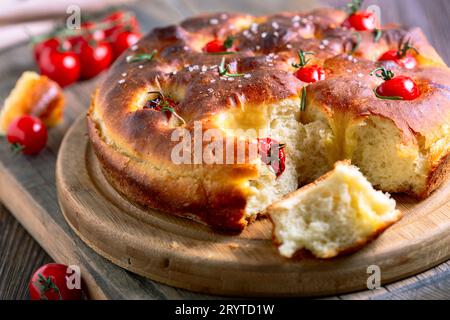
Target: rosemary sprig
[221, 53]
[303, 100]
[302, 58]
[140, 57]
[223, 70]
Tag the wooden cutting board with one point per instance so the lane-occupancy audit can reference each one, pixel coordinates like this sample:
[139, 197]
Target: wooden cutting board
[185, 254]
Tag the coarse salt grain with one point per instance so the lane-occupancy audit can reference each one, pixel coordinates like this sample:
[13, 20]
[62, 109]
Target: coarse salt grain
[140, 66]
[289, 46]
[124, 74]
[213, 21]
[275, 25]
[134, 48]
[247, 75]
[263, 35]
[121, 81]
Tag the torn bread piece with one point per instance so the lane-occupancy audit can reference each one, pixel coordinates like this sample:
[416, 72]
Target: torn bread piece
[339, 212]
[34, 95]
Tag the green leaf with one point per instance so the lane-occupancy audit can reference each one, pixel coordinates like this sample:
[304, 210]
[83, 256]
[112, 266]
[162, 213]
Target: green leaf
[141, 57]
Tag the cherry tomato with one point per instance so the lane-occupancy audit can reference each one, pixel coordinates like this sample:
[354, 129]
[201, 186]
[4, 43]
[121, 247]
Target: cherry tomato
[94, 33]
[121, 21]
[214, 46]
[400, 86]
[60, 66]
[277, 160]
[123, 41]
[49, 282]
[309, 74]
[94, 58]
[89, 34]
[27, 134]
[408, 61]
[51, 44]
[361, 21]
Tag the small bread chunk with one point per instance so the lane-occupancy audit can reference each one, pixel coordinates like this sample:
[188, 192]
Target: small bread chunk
[339, 212]
[33, 95]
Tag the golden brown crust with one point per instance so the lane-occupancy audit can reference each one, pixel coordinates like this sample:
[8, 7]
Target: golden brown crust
[134, 144]
[35, 95]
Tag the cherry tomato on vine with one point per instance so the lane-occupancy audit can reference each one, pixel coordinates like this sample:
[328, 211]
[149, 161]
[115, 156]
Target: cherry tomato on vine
[49, 282]
[310, 74]
[60, 66]
[94, 58]
[395, 87]
[399, 86]
[123, 41]
[27, 134]
[214, 46]
[401, 56]
[274, 158]
[121, 21]
[51, 44]
[362, 21]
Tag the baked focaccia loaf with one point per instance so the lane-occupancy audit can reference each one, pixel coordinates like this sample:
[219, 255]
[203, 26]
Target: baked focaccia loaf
[400, 146]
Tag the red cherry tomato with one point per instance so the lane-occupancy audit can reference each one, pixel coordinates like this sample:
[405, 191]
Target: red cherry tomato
[89, 33]
[361, 21]
[123, 41]
[94, 58]
[60, 66]
[93, 32]
[277, 160]
[214, 46]
[51, 44]
[49, 282]
[310, 74]
[400, 86]
[408, 61]
[121, 21]
[27, 134]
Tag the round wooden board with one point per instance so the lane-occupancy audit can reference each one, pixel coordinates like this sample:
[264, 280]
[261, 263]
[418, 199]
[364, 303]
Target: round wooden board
[188, 255]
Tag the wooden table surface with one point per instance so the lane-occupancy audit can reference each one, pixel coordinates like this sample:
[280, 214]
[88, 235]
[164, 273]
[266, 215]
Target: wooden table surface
[20, 255]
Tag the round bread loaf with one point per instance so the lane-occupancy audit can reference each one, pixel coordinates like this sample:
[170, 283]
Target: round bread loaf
[400, 146]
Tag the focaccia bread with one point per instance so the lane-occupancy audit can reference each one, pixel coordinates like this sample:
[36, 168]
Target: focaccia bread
[338, 213]
[400, 146]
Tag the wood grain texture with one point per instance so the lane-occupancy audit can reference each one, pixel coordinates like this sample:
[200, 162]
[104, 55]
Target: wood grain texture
[27, 183]
[20, 257]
